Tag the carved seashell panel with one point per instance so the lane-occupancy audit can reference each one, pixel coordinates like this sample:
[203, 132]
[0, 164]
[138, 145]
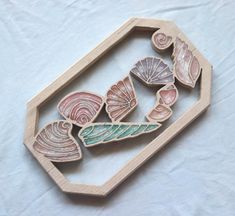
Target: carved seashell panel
[121, 99]
[161, 41]
[166, 97]
[153, 71]
[80, 108]
[168, 94]
[100, 133]
[56, 143]
[186, 66]
[159, 113]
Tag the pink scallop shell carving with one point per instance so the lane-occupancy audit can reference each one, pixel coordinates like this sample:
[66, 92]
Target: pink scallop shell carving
[56, 143]
[121, 99]
[80, 108]
[168, 94]
[161, 41]
[160, 113]
[153, 71]
[186, 66]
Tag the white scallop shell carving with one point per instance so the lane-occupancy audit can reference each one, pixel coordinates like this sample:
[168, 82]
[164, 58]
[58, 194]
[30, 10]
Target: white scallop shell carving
[120, 99]
[153, 71]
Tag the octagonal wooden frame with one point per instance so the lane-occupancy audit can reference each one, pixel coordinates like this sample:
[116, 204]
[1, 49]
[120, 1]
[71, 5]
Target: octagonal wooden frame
[77, 69]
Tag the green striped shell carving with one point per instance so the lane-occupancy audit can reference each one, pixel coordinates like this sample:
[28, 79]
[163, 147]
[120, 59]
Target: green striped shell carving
[98, 133]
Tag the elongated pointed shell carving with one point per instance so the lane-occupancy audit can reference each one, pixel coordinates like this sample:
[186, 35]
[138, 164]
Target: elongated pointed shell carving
[168, 94]
[121, 99]
[186, 66]
[56, 143]
[153, 71]
[100, 133]
[80, 108]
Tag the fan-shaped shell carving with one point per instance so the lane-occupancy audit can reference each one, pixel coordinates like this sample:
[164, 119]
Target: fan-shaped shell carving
[161, 41]
[186, 66]
[153, 71]
[120, 99]
[168, 94]
[160, 113]
[105, 132]
[80, 108]
[56, 143]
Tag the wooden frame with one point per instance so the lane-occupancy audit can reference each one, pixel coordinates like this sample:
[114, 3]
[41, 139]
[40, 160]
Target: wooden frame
[153, 147]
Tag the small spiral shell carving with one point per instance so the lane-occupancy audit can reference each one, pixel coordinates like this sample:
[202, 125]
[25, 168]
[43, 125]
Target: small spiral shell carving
[80, 108]
[161, 41]
[56, 143]
[121, 99]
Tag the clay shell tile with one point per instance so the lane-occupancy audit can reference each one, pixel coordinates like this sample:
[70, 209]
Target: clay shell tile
[80, 108]
[105, 132]
[168, 94]
[161, 41]
[121, 99]
[159, 113]
[166, 97]
[153, 71]
[186, 66]
[56, 143]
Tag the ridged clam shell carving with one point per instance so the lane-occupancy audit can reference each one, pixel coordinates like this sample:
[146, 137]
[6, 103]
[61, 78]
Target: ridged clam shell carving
[80, 108]
[161, 41]
[186, 66]
[56, 143]
[153, 71]
[100, 133]
[168, 94]
[120, 99]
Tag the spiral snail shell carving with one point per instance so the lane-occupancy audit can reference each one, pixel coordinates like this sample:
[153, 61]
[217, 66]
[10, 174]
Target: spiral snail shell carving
[161, 41]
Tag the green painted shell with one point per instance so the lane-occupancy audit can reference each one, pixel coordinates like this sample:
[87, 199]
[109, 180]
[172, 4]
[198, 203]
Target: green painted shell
[99, 133]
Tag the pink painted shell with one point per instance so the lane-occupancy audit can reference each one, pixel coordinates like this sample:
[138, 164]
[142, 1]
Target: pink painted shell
[80, 108]
[160, 113]
[161, 41]
[120, 99]
[56, 143]
[166, 97]
[186, 66]
[153, 71]
[168, 94]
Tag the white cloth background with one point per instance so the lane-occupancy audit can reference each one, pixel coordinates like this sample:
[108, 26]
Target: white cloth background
[194, 175]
